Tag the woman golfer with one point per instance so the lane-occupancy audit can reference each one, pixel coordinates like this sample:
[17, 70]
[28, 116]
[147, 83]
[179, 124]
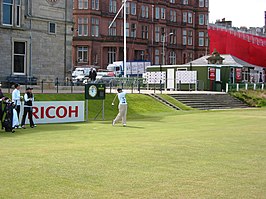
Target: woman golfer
[122, 114]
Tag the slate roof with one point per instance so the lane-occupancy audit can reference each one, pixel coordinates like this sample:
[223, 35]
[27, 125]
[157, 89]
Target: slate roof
[229, 60]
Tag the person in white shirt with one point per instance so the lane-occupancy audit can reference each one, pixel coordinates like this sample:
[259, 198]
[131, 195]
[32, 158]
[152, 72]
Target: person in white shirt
[16, 98]
[122, 114]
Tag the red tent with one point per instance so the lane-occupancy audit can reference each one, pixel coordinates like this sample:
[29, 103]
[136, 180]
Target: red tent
[247, 47]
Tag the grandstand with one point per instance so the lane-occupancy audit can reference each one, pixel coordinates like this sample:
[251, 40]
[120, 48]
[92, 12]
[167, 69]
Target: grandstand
[245, 46]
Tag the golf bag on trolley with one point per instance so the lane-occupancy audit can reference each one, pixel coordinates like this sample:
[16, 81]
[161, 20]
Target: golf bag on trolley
[7, 115]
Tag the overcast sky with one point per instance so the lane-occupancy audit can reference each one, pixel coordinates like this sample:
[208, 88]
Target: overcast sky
[240, 12]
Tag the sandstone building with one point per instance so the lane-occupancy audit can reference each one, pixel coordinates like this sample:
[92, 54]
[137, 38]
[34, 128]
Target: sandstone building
[35, 38]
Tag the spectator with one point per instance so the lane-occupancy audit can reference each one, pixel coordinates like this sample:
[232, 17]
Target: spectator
[17, 99]
[93, 74]
[28, 99]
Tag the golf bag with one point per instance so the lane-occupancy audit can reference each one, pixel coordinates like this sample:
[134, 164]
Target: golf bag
[7, 116]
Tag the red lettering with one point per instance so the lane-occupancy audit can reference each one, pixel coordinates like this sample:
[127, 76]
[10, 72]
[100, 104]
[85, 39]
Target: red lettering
[42, 112]
[34, 112]
[75, 111]
[64, 112]
[47, 112]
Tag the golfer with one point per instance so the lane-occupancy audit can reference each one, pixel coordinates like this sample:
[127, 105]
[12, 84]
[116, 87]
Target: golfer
[122, 114]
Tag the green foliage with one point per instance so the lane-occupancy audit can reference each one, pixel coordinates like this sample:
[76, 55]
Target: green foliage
[251, 97]
[204, 154]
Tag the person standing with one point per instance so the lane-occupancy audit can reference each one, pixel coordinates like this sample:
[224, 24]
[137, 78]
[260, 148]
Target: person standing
[122, 107]
[28, 99]
[1, 93]
[93, 74]
[16, 99]
[1, 98]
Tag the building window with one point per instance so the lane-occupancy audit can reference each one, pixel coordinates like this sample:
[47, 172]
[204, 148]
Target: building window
[144, 11]
[52, 28]
[201, 19]
[127, 29]
[94, 27]
[19, 58]
[172, 57]
[133, 30]
[11, 12]
[18, 8]
[184, 36]
[173, 36]
[206, 39]
[206, 19]
[172, 15]
[144, 32]
[157, 57]
[185, 17]
[83, 4]
[111, 55]
[82, 54]
[112, 29]
[83, 26]
[201, 3]
[95, 4]
[127, 7]
[201, 38]
[157, 13]
[206, 3]
[163, 36]
[185, 2]
[157, 33]
[112, 6]
[190, 57]
[162, 13]
[190, 38]
[189, 18]
[8, 12]
[133, 8]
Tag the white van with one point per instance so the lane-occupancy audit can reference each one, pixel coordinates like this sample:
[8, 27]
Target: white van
[133, 68]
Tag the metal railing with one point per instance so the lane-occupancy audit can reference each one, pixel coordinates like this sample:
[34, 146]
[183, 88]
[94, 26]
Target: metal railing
[134, 84]
[244, 86]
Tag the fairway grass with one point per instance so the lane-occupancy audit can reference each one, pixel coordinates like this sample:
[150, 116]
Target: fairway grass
[196, 154]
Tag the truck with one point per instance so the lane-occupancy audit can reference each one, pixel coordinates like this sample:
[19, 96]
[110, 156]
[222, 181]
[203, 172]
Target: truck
[134, 68]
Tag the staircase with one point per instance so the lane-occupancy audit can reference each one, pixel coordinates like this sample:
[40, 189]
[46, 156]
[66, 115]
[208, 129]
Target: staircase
[209, 101]
[165, 102]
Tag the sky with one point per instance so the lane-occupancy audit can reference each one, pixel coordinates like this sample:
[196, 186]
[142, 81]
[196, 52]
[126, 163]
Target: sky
[240, 12]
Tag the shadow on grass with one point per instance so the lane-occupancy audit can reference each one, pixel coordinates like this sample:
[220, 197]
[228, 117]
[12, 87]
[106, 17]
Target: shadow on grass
[132, 127]
[39, 129]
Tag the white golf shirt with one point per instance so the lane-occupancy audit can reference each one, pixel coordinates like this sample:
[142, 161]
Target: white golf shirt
[122, 98]
[16, 97]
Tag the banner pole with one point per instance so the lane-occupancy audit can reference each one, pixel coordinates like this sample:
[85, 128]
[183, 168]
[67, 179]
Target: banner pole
[87, 110]
[103, 111]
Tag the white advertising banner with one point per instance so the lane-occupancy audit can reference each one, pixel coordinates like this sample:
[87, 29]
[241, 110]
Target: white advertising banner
[186, 77]
[57, 112]
[170, 78]
[154, 77]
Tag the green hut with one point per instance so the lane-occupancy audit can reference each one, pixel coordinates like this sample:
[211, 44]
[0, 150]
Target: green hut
[214, 71]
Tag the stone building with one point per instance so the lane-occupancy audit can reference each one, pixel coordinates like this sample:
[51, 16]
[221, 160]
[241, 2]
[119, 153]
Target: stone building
[160, 31]
[36, 38]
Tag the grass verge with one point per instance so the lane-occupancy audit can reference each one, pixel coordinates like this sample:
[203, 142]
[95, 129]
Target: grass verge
[176, 102]
[251, 97]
